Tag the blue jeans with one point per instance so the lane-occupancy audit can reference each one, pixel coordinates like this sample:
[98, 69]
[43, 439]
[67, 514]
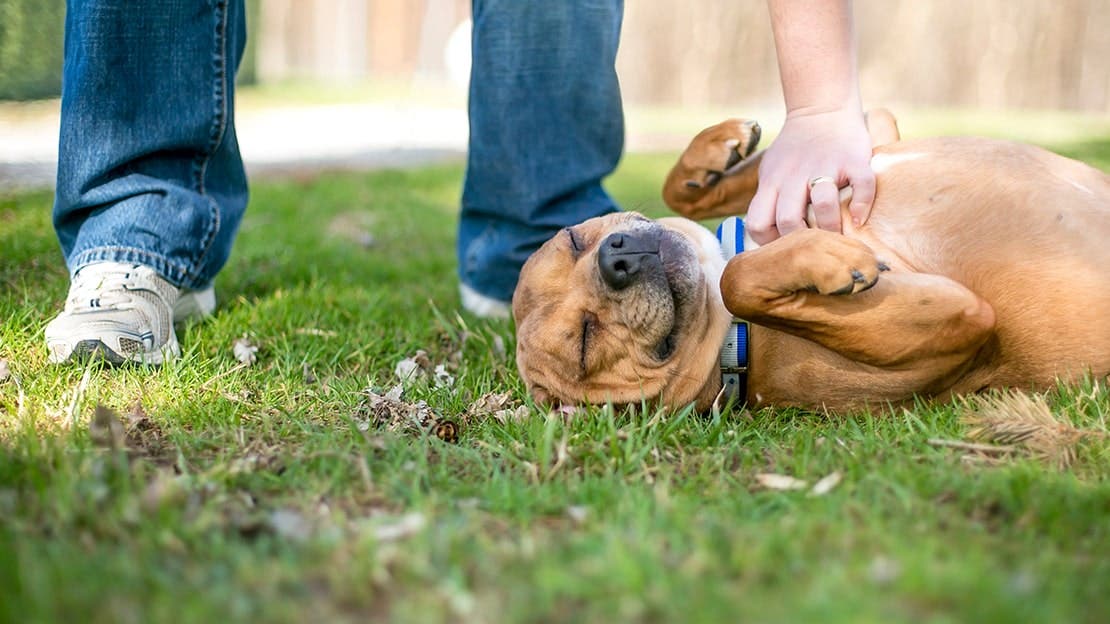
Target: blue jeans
[545, 127]
[149, 168]
[148, 164]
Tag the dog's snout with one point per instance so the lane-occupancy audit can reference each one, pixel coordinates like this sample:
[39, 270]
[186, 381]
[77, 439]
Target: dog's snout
[624, 257]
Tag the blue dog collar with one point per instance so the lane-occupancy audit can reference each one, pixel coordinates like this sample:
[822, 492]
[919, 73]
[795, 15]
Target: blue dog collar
[734, 350]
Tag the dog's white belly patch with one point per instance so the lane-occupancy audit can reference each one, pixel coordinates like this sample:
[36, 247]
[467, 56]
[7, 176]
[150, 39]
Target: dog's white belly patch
[883, 162]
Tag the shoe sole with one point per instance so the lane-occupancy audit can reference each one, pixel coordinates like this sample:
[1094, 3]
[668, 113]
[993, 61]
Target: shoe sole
[93, 349]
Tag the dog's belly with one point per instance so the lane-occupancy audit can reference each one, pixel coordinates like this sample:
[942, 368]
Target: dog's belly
[1026, 230]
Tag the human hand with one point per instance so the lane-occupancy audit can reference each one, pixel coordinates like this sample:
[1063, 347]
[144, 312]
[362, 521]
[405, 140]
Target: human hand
[830, 144]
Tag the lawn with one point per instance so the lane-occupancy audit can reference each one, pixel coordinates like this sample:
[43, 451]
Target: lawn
[290, 489]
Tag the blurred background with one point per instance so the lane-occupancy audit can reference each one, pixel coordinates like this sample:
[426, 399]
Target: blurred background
[381, 64]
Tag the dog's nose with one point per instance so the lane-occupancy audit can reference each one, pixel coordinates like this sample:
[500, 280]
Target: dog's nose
[624, 257]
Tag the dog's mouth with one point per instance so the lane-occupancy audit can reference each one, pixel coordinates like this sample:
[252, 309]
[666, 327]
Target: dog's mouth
[683, 287]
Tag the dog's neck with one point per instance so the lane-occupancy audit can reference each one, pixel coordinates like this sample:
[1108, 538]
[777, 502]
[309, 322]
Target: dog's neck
[733, 359]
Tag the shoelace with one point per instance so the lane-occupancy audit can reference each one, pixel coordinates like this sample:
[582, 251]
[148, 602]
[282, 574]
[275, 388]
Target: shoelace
[106, 286]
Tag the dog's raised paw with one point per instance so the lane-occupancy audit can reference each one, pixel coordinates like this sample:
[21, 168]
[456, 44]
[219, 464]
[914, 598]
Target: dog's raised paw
[717, 151]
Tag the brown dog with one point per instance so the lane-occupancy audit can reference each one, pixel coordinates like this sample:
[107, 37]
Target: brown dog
[999, 276]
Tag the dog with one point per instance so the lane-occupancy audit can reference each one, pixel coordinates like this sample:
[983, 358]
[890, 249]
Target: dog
[984, 264]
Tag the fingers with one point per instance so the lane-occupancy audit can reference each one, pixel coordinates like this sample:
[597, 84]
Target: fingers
[863, 194]
[825, 197]
[760, 220]
[790, 209]
[777, 212]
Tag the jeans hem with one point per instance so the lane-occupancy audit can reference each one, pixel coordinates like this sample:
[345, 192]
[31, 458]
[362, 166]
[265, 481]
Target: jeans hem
[174, 273]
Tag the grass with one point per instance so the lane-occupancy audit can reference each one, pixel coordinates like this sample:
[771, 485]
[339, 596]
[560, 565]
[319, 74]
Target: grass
[269, 492]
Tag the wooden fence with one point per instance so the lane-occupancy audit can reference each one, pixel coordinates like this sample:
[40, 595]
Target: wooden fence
[965, 53]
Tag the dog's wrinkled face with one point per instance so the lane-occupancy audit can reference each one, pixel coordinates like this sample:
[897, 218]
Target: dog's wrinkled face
[621, 308]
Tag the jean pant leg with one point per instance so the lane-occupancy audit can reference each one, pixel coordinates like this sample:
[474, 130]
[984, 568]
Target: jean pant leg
[546, 126]
[148, 166]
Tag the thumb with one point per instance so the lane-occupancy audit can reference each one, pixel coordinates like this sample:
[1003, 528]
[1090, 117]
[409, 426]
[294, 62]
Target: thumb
[863, 195]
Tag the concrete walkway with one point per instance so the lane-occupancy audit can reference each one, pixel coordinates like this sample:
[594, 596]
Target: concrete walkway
[281, 140]
[273, 141]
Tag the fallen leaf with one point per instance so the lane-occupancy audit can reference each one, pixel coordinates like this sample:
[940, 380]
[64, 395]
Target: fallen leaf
[443, 379]
[390, 412]
[245, 351]
[394, 393]
[407, 370]
[773, 481]
[826, 484]
[489, 402]
[505, 416]
[497, 405]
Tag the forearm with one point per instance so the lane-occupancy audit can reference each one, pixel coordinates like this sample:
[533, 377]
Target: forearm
[816, 54]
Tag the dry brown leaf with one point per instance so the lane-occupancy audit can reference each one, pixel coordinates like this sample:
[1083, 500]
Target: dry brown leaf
[497, 405]
[490, 402]
[418, 366]
[407, 370]
[443, 379]
[390, 412]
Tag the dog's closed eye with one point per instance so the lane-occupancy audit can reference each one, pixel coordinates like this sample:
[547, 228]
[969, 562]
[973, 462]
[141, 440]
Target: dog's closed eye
[575, 244]
[589, 325]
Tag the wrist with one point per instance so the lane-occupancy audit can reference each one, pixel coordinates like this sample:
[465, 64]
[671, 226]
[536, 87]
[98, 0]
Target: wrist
[850, 106]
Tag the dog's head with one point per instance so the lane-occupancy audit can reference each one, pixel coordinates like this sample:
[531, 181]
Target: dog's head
[621, 308]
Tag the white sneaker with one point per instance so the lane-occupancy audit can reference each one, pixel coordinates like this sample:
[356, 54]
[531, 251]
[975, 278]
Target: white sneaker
[124, 313]
[482, 306]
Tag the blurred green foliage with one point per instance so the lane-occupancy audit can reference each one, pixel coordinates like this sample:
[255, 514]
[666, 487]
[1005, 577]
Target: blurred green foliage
[31, 37]
[31, 33]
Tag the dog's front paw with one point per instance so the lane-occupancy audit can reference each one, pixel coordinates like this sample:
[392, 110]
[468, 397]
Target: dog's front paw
[714, 153]
[832, 264]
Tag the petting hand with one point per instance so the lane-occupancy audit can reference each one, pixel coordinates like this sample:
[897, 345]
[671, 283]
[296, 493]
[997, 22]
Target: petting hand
[814, 156]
